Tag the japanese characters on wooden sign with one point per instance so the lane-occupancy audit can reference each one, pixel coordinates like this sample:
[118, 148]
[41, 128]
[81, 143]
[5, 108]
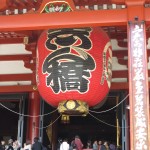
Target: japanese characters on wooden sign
[139, 105]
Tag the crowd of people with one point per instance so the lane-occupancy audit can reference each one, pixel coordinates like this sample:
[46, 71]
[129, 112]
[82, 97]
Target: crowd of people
[100, 145]
[15, 145]
[77, 144]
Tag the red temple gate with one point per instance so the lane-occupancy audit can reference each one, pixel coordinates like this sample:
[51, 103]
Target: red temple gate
[130, 22]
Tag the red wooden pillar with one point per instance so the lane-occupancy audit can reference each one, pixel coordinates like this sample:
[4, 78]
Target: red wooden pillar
[138, 87]
[34, 110]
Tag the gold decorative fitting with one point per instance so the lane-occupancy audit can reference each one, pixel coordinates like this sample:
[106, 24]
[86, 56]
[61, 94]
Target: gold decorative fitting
[35, 87]
[73, 107]
[65, 119]
[26, 40]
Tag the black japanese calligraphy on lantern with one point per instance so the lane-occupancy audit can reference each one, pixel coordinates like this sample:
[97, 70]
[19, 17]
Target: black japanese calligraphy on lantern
[68, 37]
[69, 66]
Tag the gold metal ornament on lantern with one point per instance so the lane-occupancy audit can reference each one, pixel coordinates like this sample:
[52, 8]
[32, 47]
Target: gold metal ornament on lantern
[71, 104]
[73, 107]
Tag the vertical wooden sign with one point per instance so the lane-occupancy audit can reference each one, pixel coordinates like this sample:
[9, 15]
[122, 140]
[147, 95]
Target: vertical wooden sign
[138, 90]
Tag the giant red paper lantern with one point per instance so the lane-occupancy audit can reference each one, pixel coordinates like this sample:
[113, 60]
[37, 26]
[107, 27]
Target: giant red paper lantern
[74, 64]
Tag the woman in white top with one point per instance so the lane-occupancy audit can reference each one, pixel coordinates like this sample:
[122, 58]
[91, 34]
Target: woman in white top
[27, 145]
[64, 145]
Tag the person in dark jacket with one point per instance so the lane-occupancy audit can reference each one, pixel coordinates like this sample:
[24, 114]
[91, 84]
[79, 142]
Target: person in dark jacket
[37, 145]
[10, 144]
[101, 146]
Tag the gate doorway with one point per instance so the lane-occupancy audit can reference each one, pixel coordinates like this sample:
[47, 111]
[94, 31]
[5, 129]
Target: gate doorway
[12, 106]
[110, 125]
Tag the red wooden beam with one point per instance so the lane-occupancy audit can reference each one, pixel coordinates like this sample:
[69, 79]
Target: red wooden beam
[147, 16]
[91, 2]
[123, 61]
[10, 100]
[63, 20]
[122, 53]
[17, 88]
[116, 53]
[19, 4]
[30, 77]
[31, 46]
[119, 86]
[120, 74]
[11, 40]
[16, 57]
[3, 4]
[15, 77]
[30, 88]
[137, 90]
[122, 2]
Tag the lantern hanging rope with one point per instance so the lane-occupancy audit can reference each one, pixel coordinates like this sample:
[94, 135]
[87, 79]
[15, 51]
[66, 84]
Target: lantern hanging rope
[110, 108]
[105, 122]
[49, 124]
[27, 115]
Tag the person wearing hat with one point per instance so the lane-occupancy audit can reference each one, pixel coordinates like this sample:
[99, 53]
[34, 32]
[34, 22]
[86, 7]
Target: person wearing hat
[10, 144]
